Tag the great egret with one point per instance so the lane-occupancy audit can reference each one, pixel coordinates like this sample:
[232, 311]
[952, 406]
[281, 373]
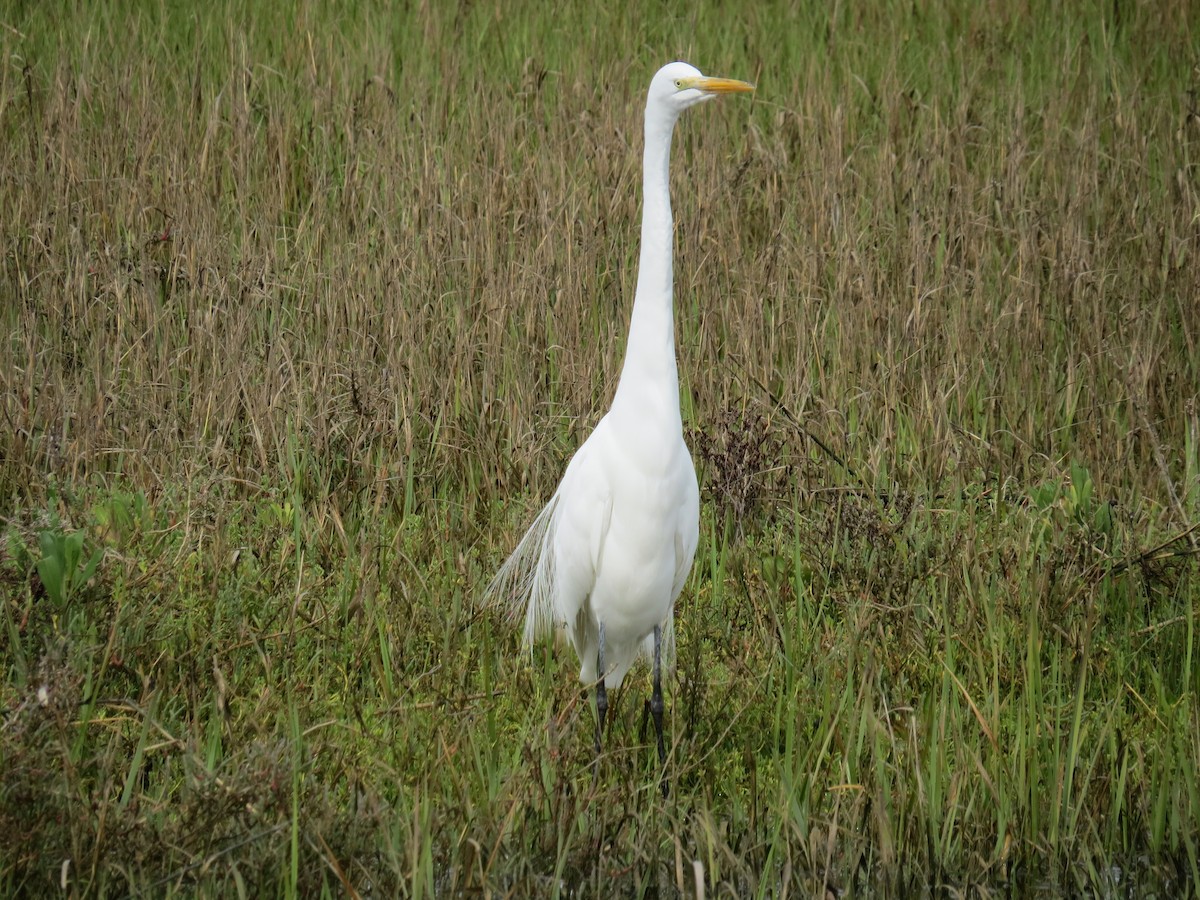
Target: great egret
[607, 556]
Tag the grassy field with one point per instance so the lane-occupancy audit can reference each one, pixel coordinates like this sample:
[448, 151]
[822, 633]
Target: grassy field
[305, 307]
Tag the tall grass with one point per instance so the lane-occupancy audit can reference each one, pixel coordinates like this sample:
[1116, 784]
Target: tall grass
[305, 309]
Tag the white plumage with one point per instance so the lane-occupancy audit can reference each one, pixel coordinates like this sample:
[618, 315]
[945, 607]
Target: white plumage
[607, 556]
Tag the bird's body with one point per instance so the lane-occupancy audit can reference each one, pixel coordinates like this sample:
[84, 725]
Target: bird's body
[634, 506]
[610, 552]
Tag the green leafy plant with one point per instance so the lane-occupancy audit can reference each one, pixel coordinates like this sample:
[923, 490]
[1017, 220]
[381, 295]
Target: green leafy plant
[1073, 501]
[62, 566]
[121, 517]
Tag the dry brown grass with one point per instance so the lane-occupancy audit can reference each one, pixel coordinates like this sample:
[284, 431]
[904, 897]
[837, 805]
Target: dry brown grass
[939, 279]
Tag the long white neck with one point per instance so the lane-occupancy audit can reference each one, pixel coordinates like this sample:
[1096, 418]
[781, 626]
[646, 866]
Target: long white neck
[649, 376]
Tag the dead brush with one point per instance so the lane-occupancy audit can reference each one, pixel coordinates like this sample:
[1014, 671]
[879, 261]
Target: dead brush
[744, 463]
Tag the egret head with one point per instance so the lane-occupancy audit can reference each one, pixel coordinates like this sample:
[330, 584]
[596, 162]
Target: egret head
[677, 85]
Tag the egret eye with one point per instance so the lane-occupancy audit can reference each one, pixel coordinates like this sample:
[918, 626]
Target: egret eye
[679, 83]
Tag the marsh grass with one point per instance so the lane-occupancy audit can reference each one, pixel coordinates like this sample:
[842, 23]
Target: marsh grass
[305, 309]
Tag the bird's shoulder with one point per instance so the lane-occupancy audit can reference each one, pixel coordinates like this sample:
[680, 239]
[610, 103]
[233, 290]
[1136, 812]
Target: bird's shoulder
[594, 456]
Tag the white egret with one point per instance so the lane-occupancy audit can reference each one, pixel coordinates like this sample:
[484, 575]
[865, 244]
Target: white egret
[607, 556]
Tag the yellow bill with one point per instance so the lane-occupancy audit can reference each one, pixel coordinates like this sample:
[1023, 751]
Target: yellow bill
[711, 85]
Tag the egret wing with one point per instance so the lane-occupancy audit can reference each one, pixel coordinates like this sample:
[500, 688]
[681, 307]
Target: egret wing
[687, 536]
[585, 500]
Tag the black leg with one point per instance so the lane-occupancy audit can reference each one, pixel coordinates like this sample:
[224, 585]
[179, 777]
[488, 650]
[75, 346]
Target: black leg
[656, 707]
[601, 696]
